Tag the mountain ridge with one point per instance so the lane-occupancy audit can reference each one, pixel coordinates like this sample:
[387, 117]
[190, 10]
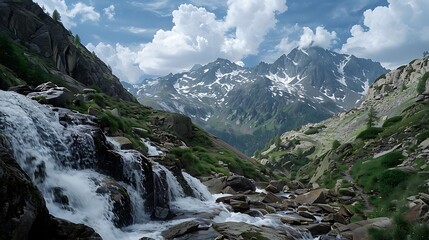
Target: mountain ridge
[234, 102]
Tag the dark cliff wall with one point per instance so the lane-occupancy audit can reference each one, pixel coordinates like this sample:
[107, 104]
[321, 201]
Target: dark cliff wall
[25, 22]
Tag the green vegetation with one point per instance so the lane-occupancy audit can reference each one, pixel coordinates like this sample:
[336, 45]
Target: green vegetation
[421, 85]
[311, 131]
[374, 174]
[335, 144]
[391, 121]
[372, 117]
[402, 229]
[17, 59]
[56, 16]
[369, 133]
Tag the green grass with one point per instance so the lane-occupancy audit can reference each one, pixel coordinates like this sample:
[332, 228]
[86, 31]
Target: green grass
[311, 131]
[402, 229]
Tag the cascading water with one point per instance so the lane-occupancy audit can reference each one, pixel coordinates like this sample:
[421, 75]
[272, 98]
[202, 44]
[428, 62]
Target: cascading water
[60, 159]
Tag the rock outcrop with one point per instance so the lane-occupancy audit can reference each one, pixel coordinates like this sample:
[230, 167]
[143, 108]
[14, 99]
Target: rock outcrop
[26, 22]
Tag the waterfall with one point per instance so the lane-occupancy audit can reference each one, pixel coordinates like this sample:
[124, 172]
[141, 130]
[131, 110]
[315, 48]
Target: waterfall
[200, 191]
[60, 158]
[43, 148]
[173, 187]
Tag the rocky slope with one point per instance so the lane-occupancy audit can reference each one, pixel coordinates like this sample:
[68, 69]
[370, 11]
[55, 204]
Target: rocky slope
[27, 23]
[243, 104]
[379, 167]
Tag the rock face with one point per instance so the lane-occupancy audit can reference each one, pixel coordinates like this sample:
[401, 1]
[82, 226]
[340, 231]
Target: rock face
[23, 214]
[26, 21]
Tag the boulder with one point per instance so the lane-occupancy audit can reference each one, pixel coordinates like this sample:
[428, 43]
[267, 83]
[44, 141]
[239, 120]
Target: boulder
[359, 230]
[58, 96]
[296, 220]
[241, 230]
[278, 184]
[180, 229]
[416, 212]
[22, 89]
[272, 198]
[178, 123]
[424, 144]
[271, 188]
[240, 183]
[122, 208]
[317, 229]
[315, 196]
[123, 142]
[239, 206]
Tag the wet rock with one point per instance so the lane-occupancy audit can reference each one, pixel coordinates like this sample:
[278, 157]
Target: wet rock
[23, 213]
[296, 220]
[123, 142]
[271, 188]
[65, 230]
[317, 229]
[22, 89]
[306, 215]
[122, 208]
[315, 196]
[180, 229]
[239, 206]
[240, 231]
[229, 190]
[227, 199]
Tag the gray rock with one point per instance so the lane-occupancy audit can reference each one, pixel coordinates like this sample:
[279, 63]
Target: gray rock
[315, 196]
[180, 229]
[424, 144]
[240, 231]
[272, 198]
[124, 143]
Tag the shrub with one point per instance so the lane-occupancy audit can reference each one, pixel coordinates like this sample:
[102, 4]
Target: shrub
[391, 121]
[369, 133]
[421, 85]
[311, 131]
[335, 144]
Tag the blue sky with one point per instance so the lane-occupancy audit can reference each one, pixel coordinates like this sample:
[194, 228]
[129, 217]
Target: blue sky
[146, 38]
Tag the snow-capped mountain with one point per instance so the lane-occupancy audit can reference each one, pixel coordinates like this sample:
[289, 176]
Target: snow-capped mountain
[248, 106]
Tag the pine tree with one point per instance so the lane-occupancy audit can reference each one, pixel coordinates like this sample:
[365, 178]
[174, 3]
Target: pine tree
[56, 16]
[372, 117]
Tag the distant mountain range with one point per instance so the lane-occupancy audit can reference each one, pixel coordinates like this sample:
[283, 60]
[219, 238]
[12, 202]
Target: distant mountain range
[246, 107]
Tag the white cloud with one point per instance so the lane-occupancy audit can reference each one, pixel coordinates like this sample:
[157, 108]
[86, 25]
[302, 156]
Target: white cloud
[198, 37]
[121, 59]
[321, 38]
[68, 15]
[137, 30]
[110, 12]
[308, 38]
[392, 34]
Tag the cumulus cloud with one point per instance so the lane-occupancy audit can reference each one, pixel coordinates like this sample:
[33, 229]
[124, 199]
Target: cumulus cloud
[321, 38]
[392, 34]
[110, 12]
[121, 59]
[68, 15]
[199, 37]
